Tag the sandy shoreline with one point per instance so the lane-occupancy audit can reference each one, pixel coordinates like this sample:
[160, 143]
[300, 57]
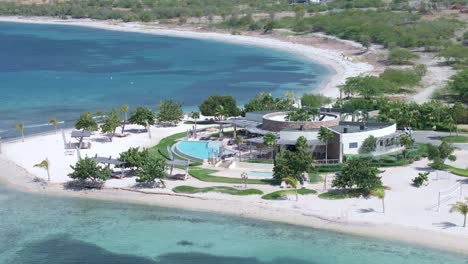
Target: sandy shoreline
[20, 176]
[23, 181]
[340, 67]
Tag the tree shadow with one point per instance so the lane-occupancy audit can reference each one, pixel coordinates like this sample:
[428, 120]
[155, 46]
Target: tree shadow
[80, 185]
[445, 225]
[366, 210]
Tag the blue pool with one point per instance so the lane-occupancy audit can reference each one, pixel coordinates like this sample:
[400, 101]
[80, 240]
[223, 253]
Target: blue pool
[200, 150]
[260, 174]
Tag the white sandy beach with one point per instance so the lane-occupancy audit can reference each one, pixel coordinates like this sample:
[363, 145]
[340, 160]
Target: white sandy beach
[410, 212]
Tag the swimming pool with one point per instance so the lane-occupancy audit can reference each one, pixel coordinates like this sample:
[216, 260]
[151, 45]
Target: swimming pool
[260, 174]
[200, 150]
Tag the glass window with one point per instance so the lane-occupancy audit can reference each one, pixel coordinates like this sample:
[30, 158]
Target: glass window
[353, 145]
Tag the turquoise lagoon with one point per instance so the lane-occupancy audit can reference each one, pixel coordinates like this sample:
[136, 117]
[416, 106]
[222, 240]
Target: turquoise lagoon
[37, 229]
[62, 71]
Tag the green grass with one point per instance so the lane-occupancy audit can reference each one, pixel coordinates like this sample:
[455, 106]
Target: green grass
[217, 189]
[343, 194]
[161, 148]
[455, 139]
[205, 175]
[457, 171]
[258, 161]
[278, 194]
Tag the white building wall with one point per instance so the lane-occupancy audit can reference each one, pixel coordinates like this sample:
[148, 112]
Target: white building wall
[359, 137]
[295, 134]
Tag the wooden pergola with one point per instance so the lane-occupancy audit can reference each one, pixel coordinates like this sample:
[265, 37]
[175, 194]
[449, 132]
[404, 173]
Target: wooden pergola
[79, 135]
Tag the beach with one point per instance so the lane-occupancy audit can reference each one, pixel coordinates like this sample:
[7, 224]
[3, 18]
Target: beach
[406, 219]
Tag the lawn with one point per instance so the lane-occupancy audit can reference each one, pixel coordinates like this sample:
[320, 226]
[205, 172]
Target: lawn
[205, 175]
[161, 148]
[278, 194]
[217, 189]
[344, 194]
[457, 171]
[455, 139]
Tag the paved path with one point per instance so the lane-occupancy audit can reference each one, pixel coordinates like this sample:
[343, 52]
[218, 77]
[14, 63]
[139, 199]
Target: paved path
[433, 137]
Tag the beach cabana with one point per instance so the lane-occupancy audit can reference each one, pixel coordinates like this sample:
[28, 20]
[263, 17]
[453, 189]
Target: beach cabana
[177, 162]
[80, 135]
[108, 161]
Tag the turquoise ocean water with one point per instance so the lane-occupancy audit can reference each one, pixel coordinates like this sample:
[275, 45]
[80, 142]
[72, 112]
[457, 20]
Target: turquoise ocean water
[37, 229]
[62, 71]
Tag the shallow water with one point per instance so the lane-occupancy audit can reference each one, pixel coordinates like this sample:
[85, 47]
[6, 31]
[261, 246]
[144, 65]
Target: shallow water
[40, 229]
[62, 71]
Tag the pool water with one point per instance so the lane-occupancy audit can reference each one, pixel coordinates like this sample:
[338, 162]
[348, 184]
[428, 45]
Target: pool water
[260, 174]
[200, 150]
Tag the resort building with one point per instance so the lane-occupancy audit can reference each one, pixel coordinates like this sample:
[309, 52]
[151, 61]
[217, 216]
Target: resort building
[348, 137]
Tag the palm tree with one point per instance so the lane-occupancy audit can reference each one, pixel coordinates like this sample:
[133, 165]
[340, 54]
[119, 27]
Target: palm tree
[448, 121]
[53, 121]
[124, 110]
[293, 183]
[269, 140]
[380, 193]
[290, 96]
[406, 141]
[20, 128]
[195, 116]
[325, 135]
[220, 112]
[44, 165]
[462, 208]
[238, 140]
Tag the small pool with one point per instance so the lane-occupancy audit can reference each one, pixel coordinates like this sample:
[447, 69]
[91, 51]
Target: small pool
[260, 174]
[200, 150]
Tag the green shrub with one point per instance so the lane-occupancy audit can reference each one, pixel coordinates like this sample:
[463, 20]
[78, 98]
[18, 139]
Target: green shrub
[421, 179]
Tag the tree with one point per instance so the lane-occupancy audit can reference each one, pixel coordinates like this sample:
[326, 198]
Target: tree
[44, 165]
[110, 123]
[142, 116]
[422, 178]
[86, 122]
[266, 102]
[220, 112]
[238, 140]
[269, 140]
[269, 26]
[459, 85]
[134, 157]
[195, 116]
[369, 145]
[54, 122]
[151, 169]
[439, 154]
[124, 109]
[455, 54]
[399, 56]
[365, 41]
[325, 135]
[420, 69]
[293, 183]
[170, 111]
[459, 112]
[406, 141]
[462, 208]
[20, 128]
[293, 163]
[210, 105]
[358, 173]
[314, 100]
[380, 193]
[88, 169]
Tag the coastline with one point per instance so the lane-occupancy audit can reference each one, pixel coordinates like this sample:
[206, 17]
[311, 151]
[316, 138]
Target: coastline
[15, 176]
[339, 67]
[447, 242]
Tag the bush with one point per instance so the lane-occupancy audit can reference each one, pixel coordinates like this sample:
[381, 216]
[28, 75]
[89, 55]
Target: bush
[399, 56]
[314, 100]
[401, 78]
[421, 179]
[369, 145]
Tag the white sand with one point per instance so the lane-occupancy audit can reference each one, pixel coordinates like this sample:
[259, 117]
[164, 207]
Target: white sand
[342, 68]
[410, 213]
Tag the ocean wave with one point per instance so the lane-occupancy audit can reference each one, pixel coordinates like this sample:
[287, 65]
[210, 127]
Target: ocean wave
[41, 125]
